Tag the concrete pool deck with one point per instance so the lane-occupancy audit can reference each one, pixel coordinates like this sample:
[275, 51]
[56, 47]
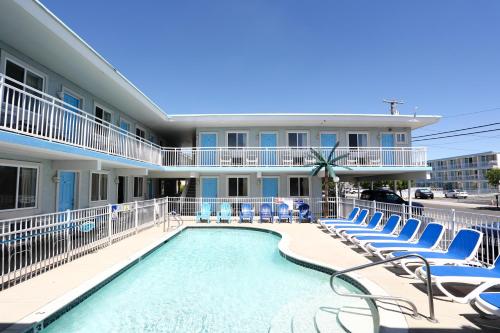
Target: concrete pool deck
[309, 241]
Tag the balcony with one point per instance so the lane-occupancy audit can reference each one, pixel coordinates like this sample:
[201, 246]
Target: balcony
[293, 157]
[26, 111]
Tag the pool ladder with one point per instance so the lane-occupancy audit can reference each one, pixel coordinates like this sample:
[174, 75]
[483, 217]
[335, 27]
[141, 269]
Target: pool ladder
[430, 296]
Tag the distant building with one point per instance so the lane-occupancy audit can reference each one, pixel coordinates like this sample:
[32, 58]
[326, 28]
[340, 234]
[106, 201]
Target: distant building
[467, 172]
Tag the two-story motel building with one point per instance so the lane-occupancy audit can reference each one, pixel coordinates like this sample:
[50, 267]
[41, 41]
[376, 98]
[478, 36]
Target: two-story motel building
[75, 133]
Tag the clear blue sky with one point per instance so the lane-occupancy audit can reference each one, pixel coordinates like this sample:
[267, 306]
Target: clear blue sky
[307, 56]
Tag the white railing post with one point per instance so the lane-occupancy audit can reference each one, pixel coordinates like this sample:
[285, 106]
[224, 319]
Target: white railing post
[110, 224]
[136, 217]
[155, 210]
[68, 234]
[453, 222]
[51, 120]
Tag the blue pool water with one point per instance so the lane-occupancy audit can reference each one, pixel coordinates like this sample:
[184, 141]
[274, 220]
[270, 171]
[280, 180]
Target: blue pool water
[203, 280]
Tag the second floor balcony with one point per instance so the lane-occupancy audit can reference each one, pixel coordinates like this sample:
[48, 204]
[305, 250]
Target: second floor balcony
[293, 156]
[27, 111]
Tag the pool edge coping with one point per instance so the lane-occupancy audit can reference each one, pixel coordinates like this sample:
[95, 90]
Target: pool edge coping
[52, 310]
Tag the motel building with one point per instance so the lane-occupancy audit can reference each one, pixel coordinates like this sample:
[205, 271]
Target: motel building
[75, 133]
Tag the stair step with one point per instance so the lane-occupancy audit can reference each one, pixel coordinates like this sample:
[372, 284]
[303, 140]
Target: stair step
[356, 319]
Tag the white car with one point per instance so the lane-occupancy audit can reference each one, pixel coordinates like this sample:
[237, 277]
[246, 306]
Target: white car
[456, 194]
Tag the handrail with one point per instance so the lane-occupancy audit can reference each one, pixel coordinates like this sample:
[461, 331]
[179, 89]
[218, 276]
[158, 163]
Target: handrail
[176, 217]
[430, 296]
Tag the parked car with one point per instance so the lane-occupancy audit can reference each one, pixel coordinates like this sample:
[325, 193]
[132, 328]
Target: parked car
[387, 197]
[424, 193]
[456, 194]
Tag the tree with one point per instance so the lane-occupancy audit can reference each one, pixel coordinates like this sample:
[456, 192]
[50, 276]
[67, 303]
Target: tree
[326, 164]
[493, 176]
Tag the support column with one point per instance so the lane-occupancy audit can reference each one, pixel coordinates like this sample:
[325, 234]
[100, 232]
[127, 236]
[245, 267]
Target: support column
[357, 184]
[371, 185]
[409, 192]
[395, 186]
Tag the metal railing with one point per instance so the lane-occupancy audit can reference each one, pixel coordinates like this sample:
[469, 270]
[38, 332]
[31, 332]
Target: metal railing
[430, 297]
[32, 245]
[292, 156]
[28, 111]
[452, 220]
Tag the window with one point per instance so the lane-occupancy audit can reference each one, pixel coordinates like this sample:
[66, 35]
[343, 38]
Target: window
[138, 187]
[73, 100]
[18, 187]
[125, 126]
[358, 140]
[400, 137]
[101, 115]
[298, 186]
[237, 187]
[140, 132]
[236, 140]
[297, 139]
[22, 75]
[99, 187]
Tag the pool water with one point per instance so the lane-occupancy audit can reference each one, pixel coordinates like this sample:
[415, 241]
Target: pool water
[203, 280]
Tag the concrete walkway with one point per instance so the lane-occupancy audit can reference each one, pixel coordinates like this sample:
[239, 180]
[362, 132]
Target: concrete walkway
[306, 240]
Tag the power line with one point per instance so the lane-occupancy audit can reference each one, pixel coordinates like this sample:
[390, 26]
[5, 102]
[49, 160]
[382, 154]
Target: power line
[454, 135]
[471, 113]
[457, 130]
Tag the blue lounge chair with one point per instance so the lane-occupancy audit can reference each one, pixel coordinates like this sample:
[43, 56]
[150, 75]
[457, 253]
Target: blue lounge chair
[246, 213]
[487, 303]
[350, 218]
[226, 213]
[462, 251]
[266, 213]
[205, 213]
[388, 229]
[429, 240]
[360, 220]
[371, 225]
[483, 277]
[408, 232]
[284, 213]
[305, 213]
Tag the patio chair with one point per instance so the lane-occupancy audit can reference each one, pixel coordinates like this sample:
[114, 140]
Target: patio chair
[266, 213]
[205, 213]
[371, 225]
[360, 220]
[350, 218]
[246, 213]
[487, 303]
[284, 213]
[388, 229]
[429, 240]
[483, 277]
[305, 213]
[408, 233]
[225, 213]
[462, 251]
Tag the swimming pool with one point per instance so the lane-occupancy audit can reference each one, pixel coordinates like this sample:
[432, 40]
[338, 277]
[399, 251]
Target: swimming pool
[204, 280]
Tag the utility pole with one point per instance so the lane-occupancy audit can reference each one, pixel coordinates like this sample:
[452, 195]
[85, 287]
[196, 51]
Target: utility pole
[393, 103]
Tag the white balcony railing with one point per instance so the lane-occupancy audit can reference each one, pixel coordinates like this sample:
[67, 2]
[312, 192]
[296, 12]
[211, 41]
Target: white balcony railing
[28, 111]
[288, 156]
[31, 112]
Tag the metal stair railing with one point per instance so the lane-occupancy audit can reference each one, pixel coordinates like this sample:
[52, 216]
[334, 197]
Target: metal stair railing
[430, 296]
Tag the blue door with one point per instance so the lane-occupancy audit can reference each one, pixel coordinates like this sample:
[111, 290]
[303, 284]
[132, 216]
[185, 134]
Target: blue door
[66, 190]
[209, 191]
[388, 154]
[327, 142]
[268, 141]
[208, 141]
[270, 187]
[70, 119]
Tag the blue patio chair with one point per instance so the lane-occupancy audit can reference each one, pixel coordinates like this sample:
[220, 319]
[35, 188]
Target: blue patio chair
[360, 220]
[388, 229]
[372, 225]
[462, 251]
[246, 213]
[408, 233]
[429, 240]
[284, 213]
[350, 218]
[205, 213]
[483, 277]
[487, 303]
[266, 213]
[225, 213]
[305, 213]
